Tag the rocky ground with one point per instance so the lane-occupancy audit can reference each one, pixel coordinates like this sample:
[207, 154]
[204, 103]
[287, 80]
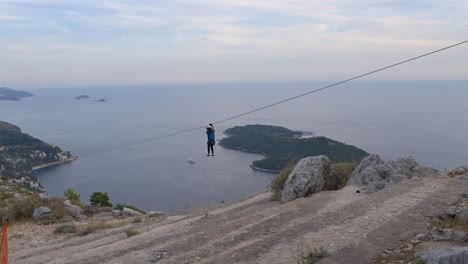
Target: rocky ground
[352, 227]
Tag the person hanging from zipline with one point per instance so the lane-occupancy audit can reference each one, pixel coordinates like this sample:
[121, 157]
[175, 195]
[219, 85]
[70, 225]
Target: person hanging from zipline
[210, 133]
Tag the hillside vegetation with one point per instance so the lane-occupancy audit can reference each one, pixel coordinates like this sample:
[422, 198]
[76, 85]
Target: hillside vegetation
[20, 153]
[281, 146]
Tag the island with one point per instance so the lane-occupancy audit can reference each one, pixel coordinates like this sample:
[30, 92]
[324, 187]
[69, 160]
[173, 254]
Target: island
[22, 154]
[101, 100]
[282, 146]
[82, 97]
[7, 94]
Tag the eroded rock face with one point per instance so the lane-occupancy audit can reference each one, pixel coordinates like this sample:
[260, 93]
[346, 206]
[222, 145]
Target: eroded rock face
[374, 174]
[449, 255]
[307, 177]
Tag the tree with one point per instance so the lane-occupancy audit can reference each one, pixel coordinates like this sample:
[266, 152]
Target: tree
[100, 199]
[72, 196]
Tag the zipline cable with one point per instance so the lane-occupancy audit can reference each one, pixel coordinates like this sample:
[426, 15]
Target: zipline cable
[279, 102]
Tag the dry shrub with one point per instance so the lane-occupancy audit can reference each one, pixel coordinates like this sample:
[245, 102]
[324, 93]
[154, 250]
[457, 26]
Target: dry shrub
[22, 209]
[277, 183]
[339, 175]
[65, 229]
[131, 232]
[58, 213]
[93, 227]
[304, 255]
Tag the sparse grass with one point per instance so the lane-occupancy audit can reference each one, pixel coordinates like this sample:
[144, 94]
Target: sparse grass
[277, 183]
[306, 256]
[131, 232]
[205, 215]
[65, 229]
[420, 261]
[93, 227]
[464, 196]
[452, 224]
[137, 220]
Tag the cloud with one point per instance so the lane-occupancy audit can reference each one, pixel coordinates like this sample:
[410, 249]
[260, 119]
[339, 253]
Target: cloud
[222, 39]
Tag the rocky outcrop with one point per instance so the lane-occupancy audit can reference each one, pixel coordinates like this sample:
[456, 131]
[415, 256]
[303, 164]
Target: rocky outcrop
[129, 212]
[307, 177]
[74, 210]
[462, 170]
[116, 213]
[41, 213]
[449, 255]
[374, 174]
[447, 234]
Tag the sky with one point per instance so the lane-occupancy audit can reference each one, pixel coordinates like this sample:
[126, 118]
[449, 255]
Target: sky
[60, 43]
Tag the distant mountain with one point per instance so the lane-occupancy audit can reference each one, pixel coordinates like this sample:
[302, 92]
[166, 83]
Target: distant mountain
[7, 94]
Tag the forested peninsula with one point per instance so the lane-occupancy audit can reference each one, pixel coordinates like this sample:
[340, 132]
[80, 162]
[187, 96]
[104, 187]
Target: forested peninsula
[281, 146]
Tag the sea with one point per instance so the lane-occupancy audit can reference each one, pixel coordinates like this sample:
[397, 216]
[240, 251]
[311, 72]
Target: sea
[424, 119]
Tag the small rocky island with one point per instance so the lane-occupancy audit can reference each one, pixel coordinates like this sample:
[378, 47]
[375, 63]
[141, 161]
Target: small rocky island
[82, 97]
[281, 146]
[21, 154]
[7, 94]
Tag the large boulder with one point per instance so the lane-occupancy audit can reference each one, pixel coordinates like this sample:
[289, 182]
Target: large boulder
[374, 174]
[41, 213]
[129, 212]
[307, 177]
[74, 210]
[451, 255]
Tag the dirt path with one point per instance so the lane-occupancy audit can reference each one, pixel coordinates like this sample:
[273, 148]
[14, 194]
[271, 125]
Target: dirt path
[352, 227]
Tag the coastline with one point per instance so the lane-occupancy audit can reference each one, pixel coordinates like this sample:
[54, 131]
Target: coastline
[52, 164]
[252, 152]
[263, 170]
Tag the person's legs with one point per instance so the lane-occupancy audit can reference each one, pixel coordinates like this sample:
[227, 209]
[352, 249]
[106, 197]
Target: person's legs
[208, 147]
[212, 149]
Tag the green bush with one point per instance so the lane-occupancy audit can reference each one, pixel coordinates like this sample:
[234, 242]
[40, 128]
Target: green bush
[72, 196]
[100, 199]
[122, 206]
[277, 183]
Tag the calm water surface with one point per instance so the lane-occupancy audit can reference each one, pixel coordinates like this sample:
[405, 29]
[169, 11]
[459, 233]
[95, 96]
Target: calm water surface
[425, 119]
